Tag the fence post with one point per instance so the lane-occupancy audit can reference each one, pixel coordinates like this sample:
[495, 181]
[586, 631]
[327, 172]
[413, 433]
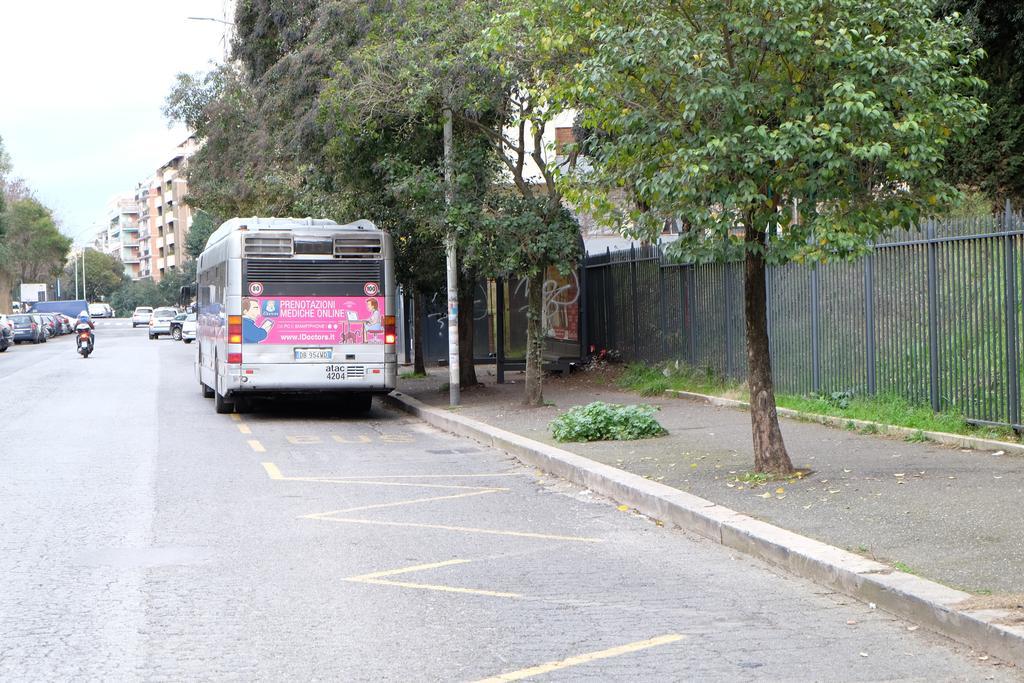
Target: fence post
[661, 298]
[609, 306]
[691, 297]
[634, 302]
[1010, 300]
[933, 318]
[499, 348]
[815, 333]
[727, 304]
[869, 321]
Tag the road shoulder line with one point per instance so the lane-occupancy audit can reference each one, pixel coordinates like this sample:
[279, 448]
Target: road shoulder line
[918, 600]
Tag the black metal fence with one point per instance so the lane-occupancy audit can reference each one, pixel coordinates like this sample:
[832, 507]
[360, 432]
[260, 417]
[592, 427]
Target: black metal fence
[933, 316]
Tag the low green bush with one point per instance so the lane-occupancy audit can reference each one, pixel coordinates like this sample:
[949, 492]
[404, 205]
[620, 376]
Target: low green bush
[601, 421]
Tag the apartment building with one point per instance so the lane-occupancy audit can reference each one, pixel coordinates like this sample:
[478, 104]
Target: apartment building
[164, 216]
[119, 234]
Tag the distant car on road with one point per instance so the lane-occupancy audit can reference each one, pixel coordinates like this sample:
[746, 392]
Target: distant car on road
[160, 323]
[28, 328]
[176, 324]
[183, 327]
[142, 316]
[189, 328]
[100, 310]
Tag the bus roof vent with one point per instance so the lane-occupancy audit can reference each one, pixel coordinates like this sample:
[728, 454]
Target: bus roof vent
[357, 246]
[265, 244]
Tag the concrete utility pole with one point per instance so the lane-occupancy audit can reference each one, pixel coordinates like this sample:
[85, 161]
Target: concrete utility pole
[84, 249]
[454, 391]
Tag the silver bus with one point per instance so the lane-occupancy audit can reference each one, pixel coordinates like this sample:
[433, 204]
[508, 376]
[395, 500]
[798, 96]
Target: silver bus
[295, 306]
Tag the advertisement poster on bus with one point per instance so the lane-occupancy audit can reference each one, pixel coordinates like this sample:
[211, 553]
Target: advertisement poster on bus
[326, 320]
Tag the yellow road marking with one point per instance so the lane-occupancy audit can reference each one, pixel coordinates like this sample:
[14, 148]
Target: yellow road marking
[433, 587]
[275, 473]
[377, 578]
[396, 438]
[584, 659]
[244, 429]
[435, 476]
[411, 501]
[443, 527]
[257, 446]
[407, 570]
[303, 439]
[351, 439]
[236, 417]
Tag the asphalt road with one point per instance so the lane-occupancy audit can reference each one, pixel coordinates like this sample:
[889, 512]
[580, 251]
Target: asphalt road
[142, 536]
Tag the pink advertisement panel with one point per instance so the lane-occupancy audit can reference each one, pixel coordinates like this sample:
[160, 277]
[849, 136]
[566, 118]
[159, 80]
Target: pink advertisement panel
[319, 321]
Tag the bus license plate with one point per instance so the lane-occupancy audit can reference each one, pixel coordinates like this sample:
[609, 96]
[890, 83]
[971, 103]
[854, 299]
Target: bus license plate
[314, 354]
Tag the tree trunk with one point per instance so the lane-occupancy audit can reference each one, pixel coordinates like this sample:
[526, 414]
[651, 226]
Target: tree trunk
[770, 454]
[6, 284]
[419, 366]
[467, 370]
[535, 340]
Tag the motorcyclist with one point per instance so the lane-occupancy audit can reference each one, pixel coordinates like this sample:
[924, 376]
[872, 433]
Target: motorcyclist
[83, 322]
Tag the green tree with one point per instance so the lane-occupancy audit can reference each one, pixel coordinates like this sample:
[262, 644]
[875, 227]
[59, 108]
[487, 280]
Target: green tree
[104, 275]
[993, 160]
[134, 294]
[203, 225]
[775, 130]
[33, 248]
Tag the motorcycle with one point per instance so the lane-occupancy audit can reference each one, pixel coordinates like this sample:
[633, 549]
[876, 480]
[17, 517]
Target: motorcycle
[84, 334]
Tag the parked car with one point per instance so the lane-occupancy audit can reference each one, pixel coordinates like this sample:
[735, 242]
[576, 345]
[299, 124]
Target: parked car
[189, 328]
[6, 336]
[28, 327]
[50, 324]
[69, 323]
[5, 321]
[142, 316]
[160, 323]
[100, 311]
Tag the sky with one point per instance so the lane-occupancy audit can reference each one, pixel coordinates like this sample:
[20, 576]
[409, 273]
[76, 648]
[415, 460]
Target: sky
[82, 86]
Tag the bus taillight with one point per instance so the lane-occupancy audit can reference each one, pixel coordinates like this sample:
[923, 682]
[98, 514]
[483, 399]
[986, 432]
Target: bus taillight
[234, 359]
[389, 329]
[235, 330]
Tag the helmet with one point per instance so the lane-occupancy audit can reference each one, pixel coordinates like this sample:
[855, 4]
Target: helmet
[84, 316]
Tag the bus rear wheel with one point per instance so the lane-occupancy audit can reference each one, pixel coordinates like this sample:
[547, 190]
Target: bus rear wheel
[221, 404]
[207, 391]
[358, 403]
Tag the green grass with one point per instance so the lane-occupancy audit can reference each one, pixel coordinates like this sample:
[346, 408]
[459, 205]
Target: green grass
[412, 375]
[903, 568]
[653, 381]
[887, 410]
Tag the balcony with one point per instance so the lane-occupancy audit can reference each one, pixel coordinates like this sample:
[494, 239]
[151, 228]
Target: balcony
[159, 242]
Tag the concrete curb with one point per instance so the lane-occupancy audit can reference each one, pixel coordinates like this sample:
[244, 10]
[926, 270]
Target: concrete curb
[918, 600]
[957, 440]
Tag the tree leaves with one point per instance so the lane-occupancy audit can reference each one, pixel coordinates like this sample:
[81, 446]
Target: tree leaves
[824, 123]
